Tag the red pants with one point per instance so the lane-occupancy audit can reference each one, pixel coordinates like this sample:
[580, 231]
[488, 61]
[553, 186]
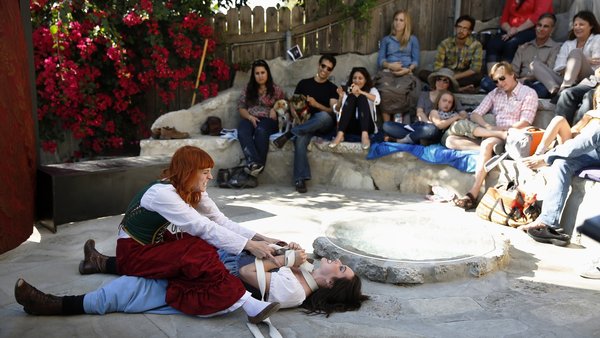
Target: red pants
[199, 284]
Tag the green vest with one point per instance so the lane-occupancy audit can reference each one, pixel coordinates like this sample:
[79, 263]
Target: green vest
[143, 225]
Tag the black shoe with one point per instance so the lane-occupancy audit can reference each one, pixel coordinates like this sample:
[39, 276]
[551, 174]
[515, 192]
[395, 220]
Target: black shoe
[301, 186]
[281, 140]
[253, 169]
[549, 235]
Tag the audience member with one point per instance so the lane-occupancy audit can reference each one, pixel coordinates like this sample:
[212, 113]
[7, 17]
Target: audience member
[517, 22]
[424, 131]
[512, 105]
[577, 59]
[398, 57]
[565, 160]
[533, 56]
[321, 95]
[259, 119]
[560, 129]
[356, 114]
[462, 54]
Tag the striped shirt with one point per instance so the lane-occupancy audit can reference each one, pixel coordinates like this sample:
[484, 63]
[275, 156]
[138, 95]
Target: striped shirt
[520, 106]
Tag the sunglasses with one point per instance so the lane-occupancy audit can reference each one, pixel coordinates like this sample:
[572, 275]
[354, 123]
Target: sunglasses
[501, 78]
[443, 79]
[329, 69]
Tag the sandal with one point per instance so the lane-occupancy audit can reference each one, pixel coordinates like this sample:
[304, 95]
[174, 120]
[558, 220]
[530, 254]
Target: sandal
[467, 202]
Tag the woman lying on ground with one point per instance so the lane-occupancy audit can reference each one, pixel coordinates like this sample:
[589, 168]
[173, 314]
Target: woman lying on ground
[330, 287]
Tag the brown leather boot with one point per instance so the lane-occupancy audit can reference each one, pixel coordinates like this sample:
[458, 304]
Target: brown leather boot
[93, 261]
[169, 133]
[35, 302]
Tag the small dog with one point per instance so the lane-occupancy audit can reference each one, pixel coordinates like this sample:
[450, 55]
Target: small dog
[283, 116]
[299, 109]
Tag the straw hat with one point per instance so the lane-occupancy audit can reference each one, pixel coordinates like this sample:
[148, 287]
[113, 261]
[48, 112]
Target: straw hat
[445, 72]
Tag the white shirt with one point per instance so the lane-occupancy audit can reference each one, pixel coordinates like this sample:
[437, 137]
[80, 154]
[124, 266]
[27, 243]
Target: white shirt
[286, 289]
[591, 49]
[206, 222]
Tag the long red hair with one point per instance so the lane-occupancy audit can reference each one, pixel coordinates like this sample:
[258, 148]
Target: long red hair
[183, 172]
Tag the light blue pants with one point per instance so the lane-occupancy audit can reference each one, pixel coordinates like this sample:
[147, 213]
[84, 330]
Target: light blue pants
[565, 161]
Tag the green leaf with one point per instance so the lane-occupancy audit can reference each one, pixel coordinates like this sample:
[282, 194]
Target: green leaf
[53, 29]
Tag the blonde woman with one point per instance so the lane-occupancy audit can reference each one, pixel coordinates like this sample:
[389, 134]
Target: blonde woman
[398, 57]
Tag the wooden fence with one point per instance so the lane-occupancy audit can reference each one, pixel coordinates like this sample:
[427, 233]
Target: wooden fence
[247, 34]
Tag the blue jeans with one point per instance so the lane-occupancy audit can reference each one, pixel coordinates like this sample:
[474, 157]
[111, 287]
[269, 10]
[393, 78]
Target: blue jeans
[255, 141]
[499, 50]
[424, 131]
[319, 123]
[570, 99]
[565, 161]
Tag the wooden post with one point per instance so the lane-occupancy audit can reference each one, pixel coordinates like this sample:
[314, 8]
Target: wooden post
[199, 71]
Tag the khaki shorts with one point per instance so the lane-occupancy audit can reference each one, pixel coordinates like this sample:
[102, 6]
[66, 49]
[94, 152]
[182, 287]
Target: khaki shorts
[465, 128]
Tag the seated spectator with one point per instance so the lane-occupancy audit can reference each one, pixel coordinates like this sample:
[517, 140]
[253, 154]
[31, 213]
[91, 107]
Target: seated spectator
[321, 95]
[424, 131]
[533, 56]
[517, 22]
[565, 161]
[577, 59]
[259, 119]
[512, 105]
[560, 129]
[356, 114]
[574, 102]
[398, 57]
[462, 54]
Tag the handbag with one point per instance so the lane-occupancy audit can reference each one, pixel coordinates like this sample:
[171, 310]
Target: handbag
[508, 206]
[521, 143]
[235, 178]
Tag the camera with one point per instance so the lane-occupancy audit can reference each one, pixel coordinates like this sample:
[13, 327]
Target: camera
[347, 89]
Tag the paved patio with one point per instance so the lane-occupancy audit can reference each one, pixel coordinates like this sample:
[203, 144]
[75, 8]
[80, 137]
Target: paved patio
[538, 293]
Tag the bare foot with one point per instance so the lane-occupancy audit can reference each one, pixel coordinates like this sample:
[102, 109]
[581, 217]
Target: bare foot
[533, 225]
[534, 162]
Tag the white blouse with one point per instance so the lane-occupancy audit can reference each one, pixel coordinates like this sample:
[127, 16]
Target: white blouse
[591, 50]
[286, 289]
[206, 221]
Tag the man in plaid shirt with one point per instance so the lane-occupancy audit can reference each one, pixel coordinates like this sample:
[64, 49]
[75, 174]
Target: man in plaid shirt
[511, 105]
[461, 53]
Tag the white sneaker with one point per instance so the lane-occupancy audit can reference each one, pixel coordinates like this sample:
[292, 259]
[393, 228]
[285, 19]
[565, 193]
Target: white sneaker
[593, 272]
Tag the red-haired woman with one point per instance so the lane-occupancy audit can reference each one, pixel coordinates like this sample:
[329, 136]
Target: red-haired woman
[198, 283]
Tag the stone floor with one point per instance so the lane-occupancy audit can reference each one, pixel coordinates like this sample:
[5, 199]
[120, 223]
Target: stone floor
[538, 293]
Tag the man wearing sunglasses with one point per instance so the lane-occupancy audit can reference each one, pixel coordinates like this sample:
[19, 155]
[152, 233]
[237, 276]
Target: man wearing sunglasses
[321, 94]
[461, 53]
[510, 105]
[533, 57]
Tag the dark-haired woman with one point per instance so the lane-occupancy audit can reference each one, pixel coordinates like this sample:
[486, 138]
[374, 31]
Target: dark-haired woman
[330, 287]
[356, 114]
[578, 57]
[259, 119]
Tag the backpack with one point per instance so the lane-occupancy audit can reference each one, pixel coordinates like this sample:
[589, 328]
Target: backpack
[521, 143]
[235, 178]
